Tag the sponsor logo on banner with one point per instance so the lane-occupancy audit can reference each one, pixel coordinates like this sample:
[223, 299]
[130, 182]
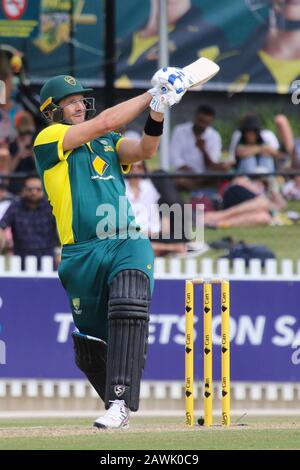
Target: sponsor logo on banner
[14, 10]
[244, 330]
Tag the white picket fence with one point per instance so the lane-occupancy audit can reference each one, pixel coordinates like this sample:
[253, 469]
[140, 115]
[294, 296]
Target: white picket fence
[271, 392]
[174, 268]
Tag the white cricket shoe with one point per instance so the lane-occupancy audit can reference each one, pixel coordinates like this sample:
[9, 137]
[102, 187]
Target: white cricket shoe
[117, 416]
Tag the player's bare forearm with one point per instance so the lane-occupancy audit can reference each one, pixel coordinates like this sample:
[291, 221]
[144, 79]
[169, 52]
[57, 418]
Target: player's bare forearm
[123, 113]
[149, 144]
[131, 151]
[156, 116]
[108, 120]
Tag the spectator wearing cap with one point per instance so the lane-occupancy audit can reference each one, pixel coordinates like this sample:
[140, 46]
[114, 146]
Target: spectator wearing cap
[31, 221]
[197, 147]
[21, 149]
[253, 148]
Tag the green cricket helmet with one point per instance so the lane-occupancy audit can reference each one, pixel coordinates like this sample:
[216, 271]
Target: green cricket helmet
[57, 88]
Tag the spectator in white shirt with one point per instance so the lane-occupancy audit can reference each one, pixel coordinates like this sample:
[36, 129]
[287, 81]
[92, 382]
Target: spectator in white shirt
[254, 148]
[196, 147]
[291, 189]
[6, 199]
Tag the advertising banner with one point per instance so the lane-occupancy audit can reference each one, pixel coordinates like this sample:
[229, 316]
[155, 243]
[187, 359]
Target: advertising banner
[255, 42]
[19, 19]
[36, 326]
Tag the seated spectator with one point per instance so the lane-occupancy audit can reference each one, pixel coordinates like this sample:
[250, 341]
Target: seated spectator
[247, 203]
[21, 149]
[31, 221]
[144, 199]
[290, 144]
[8, 109]
[291, 189]
[254, 148]
[196, 147]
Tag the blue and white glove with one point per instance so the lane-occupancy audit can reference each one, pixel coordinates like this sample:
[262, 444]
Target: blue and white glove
[174, 78]
[163, 97]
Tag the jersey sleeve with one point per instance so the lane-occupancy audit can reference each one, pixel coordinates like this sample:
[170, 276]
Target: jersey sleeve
[48, 146]
[117, 139]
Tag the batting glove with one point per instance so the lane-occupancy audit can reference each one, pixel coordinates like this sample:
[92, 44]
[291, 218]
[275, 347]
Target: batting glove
[163, 97]
[174, 78]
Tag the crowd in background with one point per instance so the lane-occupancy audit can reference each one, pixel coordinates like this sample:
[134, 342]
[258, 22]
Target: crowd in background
[26, 223]
[27, 226]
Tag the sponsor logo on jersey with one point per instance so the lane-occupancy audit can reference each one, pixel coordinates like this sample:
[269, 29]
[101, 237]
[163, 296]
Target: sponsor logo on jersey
[110, 177]
[100, 165]
[108, 148]
[76, 306]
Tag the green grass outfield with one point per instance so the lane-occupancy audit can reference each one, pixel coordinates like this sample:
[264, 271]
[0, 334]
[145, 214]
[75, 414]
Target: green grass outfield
[283, 241]
[150, 434]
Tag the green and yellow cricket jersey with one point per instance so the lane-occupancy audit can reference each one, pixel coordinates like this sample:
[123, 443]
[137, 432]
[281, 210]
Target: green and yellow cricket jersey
[78, 181]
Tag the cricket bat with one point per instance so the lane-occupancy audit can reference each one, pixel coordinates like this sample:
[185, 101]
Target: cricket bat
[201, 71]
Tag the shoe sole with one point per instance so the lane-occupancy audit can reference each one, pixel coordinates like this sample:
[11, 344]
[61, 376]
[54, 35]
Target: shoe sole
[102, 426]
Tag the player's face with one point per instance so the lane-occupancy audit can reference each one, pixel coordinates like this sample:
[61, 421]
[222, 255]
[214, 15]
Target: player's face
[74, 108]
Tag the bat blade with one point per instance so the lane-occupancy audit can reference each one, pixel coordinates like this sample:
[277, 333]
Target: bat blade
[201, 71]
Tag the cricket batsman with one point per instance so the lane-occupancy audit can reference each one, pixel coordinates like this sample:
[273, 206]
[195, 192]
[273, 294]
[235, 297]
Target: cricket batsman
[106, 271]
